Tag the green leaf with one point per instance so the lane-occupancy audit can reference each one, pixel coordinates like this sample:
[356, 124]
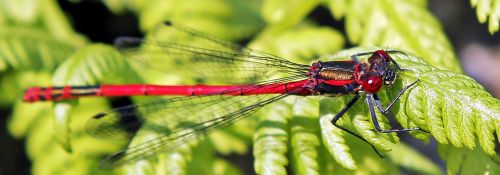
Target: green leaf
[62, 118]
[364, 126]
[285, 14]
[206, 162]
[44, 15]
[31, 49]
[400, 24]
[409, 159]
[271, 139]
[90, 65]
[172, 161]
[367, 161]
[28, 14]
[338, 8]
[225, 168]
[333, 138]
[117, 7]
[357, 120]
[442, 92]
[303, 139]
[488, 10]
[184, 154]
[94, 64]
[14, 83]
[22, 120]
[228, 18]
[57, 24]
[232, 135]
[300, 44]
[432, 104]
[45, 152]
[465, 161]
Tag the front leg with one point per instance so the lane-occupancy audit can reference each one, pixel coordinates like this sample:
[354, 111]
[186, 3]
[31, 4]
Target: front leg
[369, 101]
[400, 93]
[355, 56]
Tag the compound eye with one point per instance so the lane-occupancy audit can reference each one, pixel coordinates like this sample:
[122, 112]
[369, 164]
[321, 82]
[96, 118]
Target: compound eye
[372, 84]
[384, 55]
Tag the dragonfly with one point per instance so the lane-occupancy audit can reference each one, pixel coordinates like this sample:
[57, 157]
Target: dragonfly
[196, 110]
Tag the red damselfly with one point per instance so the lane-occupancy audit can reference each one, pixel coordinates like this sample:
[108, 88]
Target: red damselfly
[204, 108]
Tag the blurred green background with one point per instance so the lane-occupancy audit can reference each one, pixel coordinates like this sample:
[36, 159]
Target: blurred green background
[38, 36]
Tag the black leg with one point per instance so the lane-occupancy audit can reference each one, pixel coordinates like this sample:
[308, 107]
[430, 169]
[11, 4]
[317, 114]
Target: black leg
[355, 56]
[396, 51]
[401, 92]
[371, 98]
[342, 112]
[369, 101]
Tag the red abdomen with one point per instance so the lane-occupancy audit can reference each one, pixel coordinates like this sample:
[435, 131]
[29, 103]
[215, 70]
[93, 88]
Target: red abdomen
[69, 92]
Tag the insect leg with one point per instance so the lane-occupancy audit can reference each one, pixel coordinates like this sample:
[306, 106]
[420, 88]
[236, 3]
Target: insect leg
[370, 98]
[342, 112]
[355, 56]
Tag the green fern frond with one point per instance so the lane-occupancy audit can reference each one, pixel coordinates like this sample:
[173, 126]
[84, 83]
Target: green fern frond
[442, 100]
[466, 161]
[23, 120]
[216, 17]
[296, 133]
[43, 15]
[195, 153]
[90, 65]
[29, 13]
[304, 141]
[271, 140]
[300, 44]
[398, 24]
[334, 141]
[14, 82]
[286, 14]
[36, 123]
[172, 162]
[430, 105]
[31, 49]
[215, 165]
[488, 10]
[454, 108]
[416, 108]
[408, 158]
[96, 63]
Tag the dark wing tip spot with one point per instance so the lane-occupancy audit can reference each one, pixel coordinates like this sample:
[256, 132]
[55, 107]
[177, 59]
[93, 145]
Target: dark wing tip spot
[116, 156]
[98, 116]
[168, 23]
[111, 161]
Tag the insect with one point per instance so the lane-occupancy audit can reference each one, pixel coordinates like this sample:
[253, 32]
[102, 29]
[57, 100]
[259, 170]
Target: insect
[204, 108]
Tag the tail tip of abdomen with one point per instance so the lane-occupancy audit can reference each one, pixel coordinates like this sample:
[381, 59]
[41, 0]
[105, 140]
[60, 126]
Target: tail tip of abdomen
[32, 94]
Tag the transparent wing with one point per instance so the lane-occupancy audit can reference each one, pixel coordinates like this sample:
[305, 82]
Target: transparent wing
[205, 57]
[177, 120]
